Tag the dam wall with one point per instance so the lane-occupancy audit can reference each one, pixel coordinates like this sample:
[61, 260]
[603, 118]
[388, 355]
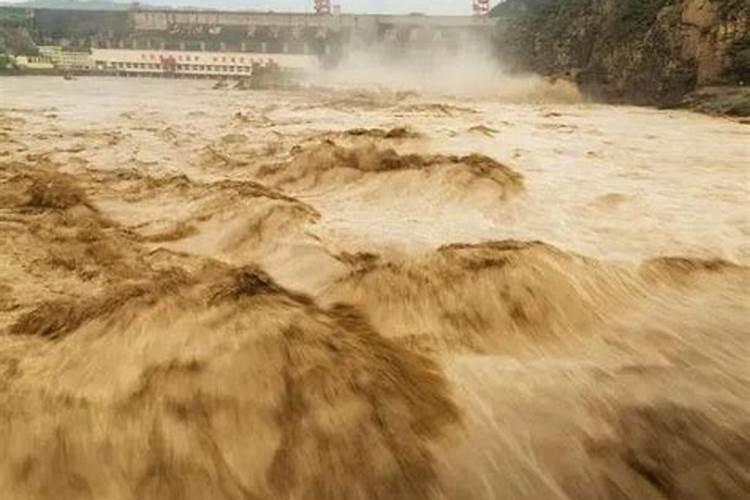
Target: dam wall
[257, 32]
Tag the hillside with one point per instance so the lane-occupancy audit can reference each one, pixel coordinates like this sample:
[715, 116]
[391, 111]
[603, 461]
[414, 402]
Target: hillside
[643, 51]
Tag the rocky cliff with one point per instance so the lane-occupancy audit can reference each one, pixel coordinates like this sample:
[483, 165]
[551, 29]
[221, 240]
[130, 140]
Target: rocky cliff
[641, 51]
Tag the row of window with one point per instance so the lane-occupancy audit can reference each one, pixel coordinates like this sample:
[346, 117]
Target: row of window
[179, 67]
[197, 58]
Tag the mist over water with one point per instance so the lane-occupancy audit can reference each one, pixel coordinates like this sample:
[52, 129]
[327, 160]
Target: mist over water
[414, 279]
[471, 72]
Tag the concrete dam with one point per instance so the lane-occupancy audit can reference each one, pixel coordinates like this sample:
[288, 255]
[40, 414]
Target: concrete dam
[254, 32]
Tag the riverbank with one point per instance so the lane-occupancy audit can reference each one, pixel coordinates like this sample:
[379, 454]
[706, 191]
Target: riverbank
[732, 101]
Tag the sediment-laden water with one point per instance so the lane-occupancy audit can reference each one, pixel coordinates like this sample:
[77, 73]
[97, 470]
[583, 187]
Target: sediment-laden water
[339, 293]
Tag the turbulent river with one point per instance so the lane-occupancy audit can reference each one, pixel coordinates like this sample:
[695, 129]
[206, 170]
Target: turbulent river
[364, 293]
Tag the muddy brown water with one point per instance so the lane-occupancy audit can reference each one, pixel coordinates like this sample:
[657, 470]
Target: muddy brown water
[342, 293]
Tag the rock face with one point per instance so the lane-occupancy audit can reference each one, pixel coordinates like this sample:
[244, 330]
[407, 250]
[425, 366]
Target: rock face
[642, 51]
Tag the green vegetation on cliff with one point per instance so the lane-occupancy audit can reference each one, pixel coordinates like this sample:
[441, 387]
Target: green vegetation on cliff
[739, 68]
[637, 16]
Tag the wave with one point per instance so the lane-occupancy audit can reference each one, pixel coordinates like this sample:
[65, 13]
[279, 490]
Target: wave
[258, 383]
[502, 296]
[327, 165]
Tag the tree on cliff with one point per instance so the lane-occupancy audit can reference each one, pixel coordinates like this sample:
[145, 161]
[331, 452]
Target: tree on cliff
[739, 68]
[518, 8]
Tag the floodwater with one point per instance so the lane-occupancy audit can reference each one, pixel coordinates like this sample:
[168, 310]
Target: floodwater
[363, 293]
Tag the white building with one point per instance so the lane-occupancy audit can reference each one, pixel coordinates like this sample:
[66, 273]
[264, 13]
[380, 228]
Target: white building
[34, 62]
[153, 62]
[51, 51]
[79, 61]
[67, 59]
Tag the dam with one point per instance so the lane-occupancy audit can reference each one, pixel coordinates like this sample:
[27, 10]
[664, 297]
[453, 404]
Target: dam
[236, 31]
